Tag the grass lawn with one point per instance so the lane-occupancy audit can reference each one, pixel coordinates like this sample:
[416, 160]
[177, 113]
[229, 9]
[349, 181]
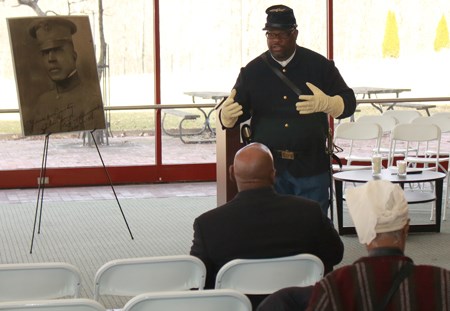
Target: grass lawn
[125, 121]
[144, 120]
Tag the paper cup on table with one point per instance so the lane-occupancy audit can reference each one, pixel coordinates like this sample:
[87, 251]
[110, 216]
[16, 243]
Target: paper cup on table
[401, 166]
[376, 165]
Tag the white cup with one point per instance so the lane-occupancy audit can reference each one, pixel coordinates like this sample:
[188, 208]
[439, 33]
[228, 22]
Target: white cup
[401, 166]
[376, 165]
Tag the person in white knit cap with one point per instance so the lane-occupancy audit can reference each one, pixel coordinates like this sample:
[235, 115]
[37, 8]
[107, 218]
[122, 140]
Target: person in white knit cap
[378, 206]
[386, 279]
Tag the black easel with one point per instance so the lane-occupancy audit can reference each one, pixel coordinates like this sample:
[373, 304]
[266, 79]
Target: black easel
[41, 188]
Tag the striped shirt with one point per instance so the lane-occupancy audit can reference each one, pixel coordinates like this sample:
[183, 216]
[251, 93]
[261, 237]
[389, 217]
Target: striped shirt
[363, 286]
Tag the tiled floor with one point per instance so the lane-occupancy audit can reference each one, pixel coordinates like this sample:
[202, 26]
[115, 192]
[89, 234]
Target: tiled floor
[69, 151]
[90, 233]
[191, 189]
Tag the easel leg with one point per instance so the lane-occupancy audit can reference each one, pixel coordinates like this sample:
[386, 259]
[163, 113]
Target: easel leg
[111, 184]
[41, 188]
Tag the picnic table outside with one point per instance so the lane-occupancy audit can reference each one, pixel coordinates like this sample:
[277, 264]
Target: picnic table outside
[367, 92]
[189, 137]
[373, 92]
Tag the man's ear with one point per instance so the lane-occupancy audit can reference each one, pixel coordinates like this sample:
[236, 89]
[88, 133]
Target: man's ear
[231, 173]
[406, 229]
[272, 177]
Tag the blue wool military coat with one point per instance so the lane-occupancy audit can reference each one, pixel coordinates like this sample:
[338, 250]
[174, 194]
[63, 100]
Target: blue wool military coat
[275, 122]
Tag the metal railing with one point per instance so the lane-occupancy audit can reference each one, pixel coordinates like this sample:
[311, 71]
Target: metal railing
[402, 100]
[181, 106]
[138, 107]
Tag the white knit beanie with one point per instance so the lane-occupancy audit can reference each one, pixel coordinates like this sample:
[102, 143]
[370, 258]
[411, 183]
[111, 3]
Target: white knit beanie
[375, 207]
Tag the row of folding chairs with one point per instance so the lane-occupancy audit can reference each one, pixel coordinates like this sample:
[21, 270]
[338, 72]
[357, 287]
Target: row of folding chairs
[410, 136]
[155, 281]
[365, 130]
[206, 300]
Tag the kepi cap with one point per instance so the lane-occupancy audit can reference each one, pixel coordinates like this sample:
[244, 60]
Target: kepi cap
[280, 17]
[52, 32]
[377, 206]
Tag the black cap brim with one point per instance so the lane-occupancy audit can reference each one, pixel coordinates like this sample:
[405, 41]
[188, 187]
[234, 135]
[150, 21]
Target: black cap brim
[279, 26]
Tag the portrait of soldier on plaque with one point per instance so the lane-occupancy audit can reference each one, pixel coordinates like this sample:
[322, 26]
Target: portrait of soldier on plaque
[56, 74]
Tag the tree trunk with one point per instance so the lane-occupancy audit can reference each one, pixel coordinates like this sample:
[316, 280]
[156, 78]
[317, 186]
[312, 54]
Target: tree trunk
[101, 65]
[34, 5]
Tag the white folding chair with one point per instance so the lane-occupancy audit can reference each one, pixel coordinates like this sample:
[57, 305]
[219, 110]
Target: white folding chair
[130, 277]
[387, 124]
[443, 122]
[403, 116]
[79, 304]
[28, 281]
[417, 134]
[265, 276]
[205, 300]
[354, 134]
[425, 137]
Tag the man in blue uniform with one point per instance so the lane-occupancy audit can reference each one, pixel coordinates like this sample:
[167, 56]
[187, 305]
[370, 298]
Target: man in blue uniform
[294, 127]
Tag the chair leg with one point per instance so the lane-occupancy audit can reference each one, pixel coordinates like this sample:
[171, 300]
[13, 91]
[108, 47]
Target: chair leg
[433, 204]
[445, 202]
[433, 207]
[446, 199]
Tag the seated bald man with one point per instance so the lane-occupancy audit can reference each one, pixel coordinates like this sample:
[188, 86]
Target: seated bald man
[259, 223]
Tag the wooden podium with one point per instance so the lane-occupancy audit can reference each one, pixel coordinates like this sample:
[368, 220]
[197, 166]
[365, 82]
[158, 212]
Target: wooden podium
[227, 143]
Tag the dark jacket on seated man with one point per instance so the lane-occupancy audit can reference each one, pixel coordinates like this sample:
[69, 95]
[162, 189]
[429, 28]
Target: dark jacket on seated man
[380, 213]
[259, 223]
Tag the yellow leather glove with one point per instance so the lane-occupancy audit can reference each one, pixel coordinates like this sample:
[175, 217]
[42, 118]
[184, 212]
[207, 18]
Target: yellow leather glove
[320, 102]
[231, 111]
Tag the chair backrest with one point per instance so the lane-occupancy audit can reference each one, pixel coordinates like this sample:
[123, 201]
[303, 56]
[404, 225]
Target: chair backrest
[441, 121]
[357, 131]
[386, 122]
[264, 276]
[204, 300]
[353, 132]
[445, 114]
[414, 133]
[30, 281]
[403, 116]
[130, 277]
[79, 304]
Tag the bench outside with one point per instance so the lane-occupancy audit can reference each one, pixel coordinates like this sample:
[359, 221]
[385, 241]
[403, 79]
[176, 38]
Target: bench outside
[182, 134]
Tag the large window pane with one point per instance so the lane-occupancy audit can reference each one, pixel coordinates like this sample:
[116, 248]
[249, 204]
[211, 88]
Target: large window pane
[394, 45]
[126, 80]
[205, 43]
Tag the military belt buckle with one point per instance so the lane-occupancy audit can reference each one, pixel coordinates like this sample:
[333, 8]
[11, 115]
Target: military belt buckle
[287, 155]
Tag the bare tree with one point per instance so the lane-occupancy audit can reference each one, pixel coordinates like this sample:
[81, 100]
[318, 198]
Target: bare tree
[34, 5]
[101, 63]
